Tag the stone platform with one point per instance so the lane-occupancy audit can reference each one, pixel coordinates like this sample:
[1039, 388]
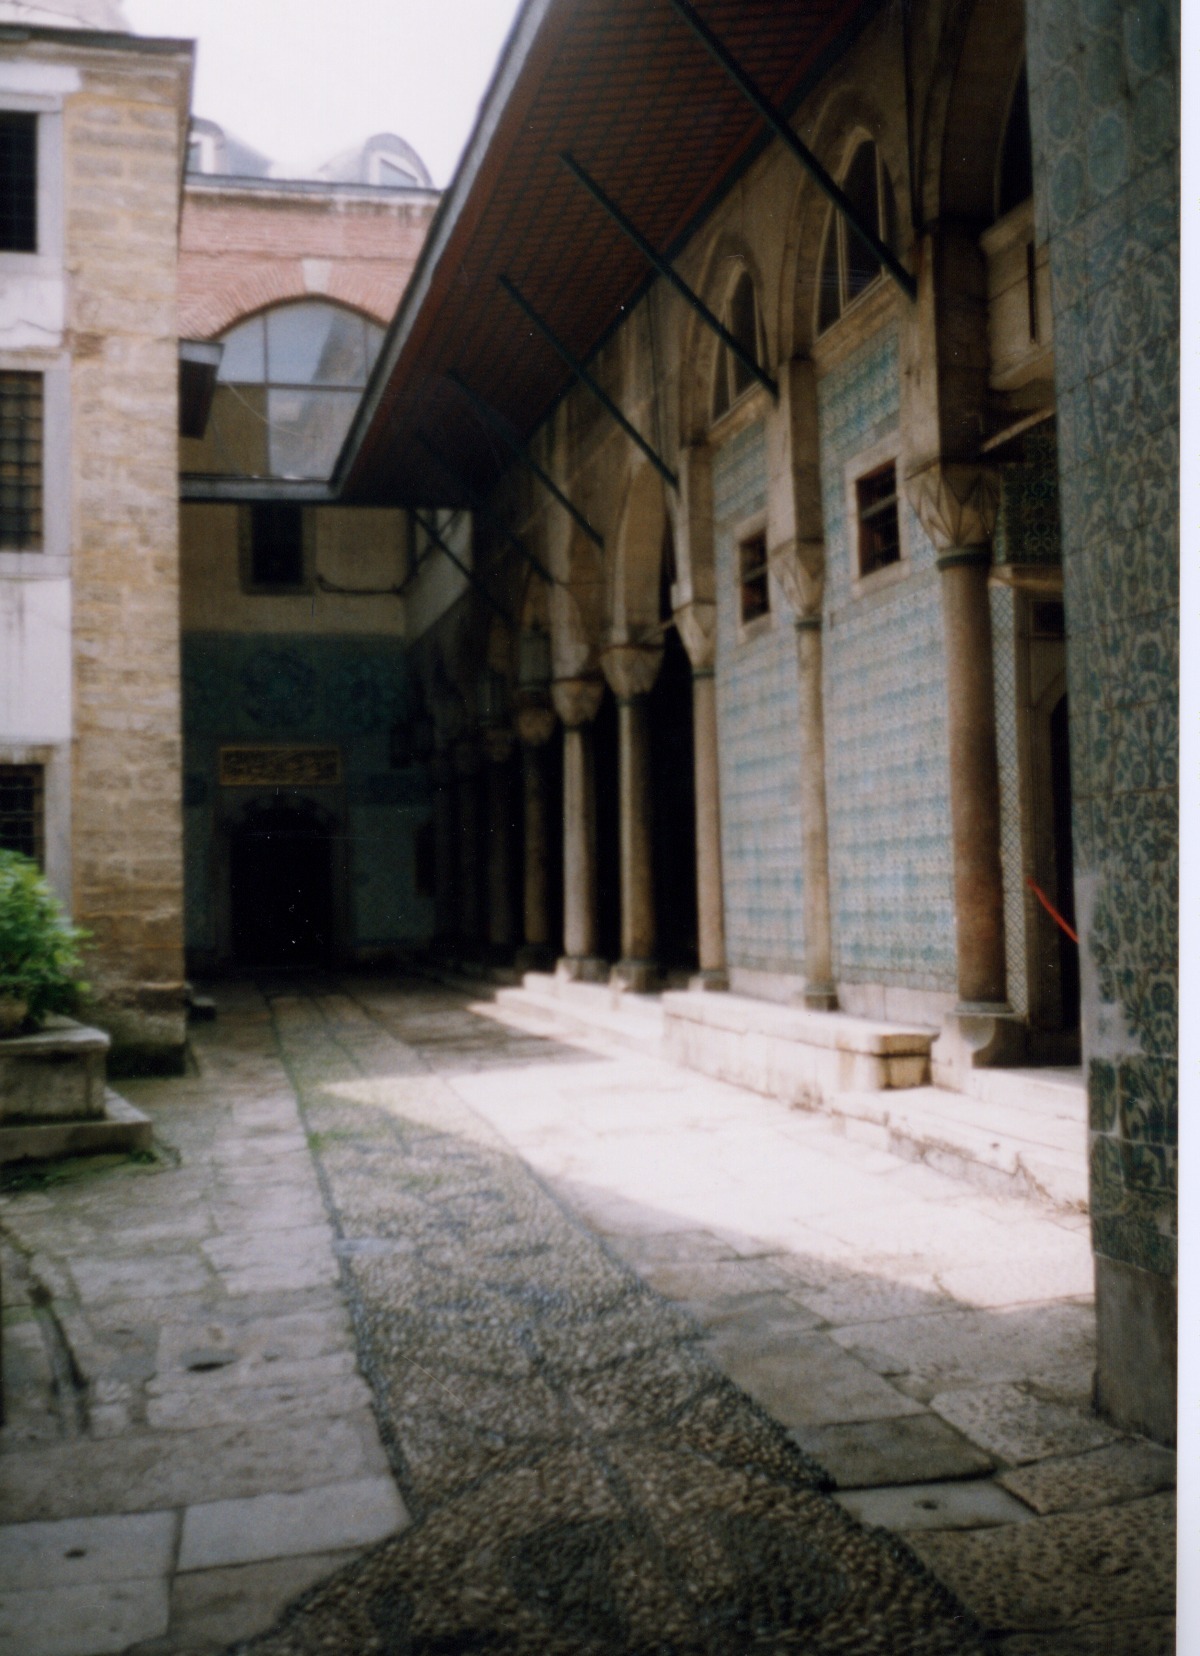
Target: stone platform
[1018, 1131]
[54, 1100]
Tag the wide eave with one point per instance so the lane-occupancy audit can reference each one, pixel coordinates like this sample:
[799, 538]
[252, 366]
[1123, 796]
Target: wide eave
[626, 88]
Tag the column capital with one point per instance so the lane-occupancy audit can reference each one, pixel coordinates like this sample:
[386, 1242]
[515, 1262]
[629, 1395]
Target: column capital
[534, 722]
[697, 623]
[631, 669]
[956, 501]
[577, 700]
[799, 567]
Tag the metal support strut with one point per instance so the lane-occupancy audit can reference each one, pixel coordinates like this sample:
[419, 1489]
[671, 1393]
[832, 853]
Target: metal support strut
[521, 450]
[431, 530]
[747, 358]
[581, 374]
[481, 510]
[783, 131]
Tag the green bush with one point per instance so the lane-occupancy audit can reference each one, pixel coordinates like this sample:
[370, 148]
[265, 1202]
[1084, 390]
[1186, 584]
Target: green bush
[39, 948]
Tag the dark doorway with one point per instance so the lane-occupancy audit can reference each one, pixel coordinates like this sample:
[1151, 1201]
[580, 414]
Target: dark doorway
[673, 786]
[1064, 862]
[281, 890]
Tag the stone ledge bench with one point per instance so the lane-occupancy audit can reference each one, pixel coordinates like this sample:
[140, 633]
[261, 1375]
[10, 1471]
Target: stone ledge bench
[790, 1052]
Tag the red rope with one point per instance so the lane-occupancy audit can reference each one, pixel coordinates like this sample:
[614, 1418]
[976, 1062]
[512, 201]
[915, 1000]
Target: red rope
[1051, 910]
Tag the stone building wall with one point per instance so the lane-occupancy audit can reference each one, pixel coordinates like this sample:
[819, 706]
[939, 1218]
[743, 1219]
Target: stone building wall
[1104, 91]
[124, 133]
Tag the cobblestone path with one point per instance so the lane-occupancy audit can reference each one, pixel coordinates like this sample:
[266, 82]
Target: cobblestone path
[580, 1476]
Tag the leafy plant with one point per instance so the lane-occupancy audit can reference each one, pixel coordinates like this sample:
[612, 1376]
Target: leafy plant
[39, 947]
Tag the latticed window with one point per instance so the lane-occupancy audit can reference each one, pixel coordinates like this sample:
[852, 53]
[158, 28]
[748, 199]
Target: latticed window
[849, 266]
[18, 182]
[753, 582]
[21, 809]
[20, 462]
[878, 519]
[742, 318]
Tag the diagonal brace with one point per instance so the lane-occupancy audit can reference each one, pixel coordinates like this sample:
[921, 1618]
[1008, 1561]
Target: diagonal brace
[431, 530]
[482, 511]
[784, 132]
[500, 427]
[747, 358]
[581, 374]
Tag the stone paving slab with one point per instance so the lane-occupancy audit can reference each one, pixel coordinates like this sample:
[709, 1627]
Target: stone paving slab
[871, 1454]
[327, 1518]
[557, 1255]
[1121, 1472]
[966, 1504]
[93, 1620]
[80, 1552]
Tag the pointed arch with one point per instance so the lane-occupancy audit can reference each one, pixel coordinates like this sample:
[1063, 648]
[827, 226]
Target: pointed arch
[636, 572]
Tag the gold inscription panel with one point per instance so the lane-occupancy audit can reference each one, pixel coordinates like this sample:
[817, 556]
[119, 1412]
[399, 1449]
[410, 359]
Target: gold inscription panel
[280, 767]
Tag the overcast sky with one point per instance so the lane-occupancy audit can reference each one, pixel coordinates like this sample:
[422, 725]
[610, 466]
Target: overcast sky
[302, 79]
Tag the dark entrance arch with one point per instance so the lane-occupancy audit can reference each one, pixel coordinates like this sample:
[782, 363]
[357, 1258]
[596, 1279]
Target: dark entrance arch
[673, 784]
[281, 888]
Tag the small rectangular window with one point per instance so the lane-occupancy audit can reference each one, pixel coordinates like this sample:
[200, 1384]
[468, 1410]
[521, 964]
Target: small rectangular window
[20, 462]
[753, 577]
[277, 545]
[21, 810]
[878, 519]
[18, 182]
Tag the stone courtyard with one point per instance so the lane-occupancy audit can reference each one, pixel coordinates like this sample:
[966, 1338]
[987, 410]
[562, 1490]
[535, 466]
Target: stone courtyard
[430, 1326]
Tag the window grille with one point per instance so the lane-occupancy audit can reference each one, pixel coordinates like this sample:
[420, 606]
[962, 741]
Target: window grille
[754, 578]
[848, 265]
[878, 520]
[21, 810]
[18, 182]
[20, 462]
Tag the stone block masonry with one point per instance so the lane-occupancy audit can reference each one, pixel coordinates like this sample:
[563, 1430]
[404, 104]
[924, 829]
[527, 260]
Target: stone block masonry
[124, 132]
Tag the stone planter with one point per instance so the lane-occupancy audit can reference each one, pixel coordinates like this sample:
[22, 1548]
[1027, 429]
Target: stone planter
[54, 1100]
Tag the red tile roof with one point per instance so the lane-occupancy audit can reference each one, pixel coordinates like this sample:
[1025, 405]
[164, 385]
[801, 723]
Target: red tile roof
[626, 87]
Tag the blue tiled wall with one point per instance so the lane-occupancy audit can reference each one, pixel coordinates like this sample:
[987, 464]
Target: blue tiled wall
[1104, 89]
[758, 712]
[344, 691]
[885, 717]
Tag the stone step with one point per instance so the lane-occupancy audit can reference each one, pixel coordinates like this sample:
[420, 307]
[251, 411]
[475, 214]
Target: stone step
[121, 1130]
[1007, 1151]
[635, 1020]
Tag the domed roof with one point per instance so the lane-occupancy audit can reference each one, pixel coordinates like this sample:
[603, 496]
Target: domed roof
[105, 15]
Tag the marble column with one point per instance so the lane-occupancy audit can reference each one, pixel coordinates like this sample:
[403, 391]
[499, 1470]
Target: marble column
[800, 568]
[577, 701]
[535, 724]
[631, 671]
[466, 766]
[697, 623]
[498, 751]
[445, 904]
[957, 506]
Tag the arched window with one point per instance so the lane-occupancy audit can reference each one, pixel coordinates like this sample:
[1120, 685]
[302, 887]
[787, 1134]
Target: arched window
[848, 266]
[1014, 169]
[743, 319]
[289, 382]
